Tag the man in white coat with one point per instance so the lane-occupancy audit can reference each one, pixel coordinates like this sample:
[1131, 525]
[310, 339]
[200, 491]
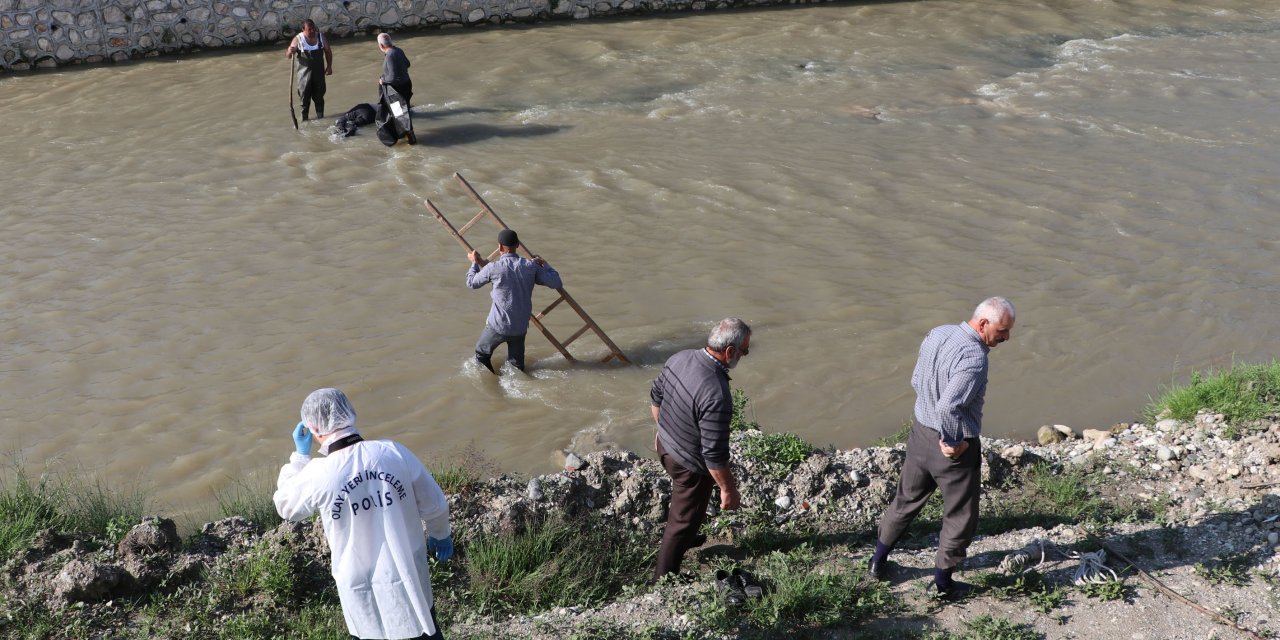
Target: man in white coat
[373, 497]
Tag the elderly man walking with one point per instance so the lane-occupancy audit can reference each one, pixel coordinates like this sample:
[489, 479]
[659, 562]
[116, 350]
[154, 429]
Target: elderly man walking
[943, 451]
[692, 405]
[373, 497]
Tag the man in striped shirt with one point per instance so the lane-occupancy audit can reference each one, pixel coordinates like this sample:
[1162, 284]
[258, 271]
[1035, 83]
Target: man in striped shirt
[692, 405]
[943, 451]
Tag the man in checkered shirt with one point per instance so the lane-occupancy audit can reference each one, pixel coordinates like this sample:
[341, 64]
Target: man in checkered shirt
[943, 451]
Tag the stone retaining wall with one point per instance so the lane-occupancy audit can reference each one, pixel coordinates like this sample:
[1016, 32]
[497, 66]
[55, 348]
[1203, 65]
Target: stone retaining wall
[54, 33]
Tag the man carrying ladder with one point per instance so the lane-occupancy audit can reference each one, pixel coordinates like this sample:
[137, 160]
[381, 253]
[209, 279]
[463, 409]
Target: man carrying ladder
[513, 278]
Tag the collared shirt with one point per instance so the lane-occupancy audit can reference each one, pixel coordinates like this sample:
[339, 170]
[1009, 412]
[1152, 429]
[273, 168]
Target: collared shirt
[513, 278]
[950, 380]
[694, 409]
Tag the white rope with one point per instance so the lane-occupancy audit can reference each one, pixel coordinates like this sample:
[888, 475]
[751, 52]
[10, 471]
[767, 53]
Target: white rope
[1016, 563]
[1093, 568]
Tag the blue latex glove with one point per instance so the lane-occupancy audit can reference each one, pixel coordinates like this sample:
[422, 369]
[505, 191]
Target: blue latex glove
[441, 549]
[302, 439]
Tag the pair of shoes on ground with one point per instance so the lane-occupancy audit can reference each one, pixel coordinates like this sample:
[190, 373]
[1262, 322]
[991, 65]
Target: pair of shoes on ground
[737, 586]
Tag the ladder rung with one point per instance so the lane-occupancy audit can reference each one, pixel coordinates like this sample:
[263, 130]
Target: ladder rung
[471, 223]
[584, 329]
[551, 306]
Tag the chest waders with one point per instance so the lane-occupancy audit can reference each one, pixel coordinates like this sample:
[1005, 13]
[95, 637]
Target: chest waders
[311, 85]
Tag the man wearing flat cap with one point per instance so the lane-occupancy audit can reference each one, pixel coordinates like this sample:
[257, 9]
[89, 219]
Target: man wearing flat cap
[513, 278]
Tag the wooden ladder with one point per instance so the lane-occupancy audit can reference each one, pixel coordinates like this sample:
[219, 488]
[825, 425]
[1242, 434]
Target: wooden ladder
[588, 324]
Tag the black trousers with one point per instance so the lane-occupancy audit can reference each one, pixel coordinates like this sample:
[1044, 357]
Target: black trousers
[960, 480]
[690, 493]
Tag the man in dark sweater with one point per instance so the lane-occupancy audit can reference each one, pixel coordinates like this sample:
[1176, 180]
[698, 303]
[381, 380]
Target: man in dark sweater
[395, 68]
[692, 406]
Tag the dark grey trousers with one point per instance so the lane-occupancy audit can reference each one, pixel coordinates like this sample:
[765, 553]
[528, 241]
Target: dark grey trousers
[960, 480]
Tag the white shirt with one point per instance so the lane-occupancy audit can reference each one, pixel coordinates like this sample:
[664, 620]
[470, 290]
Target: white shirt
[373, 498]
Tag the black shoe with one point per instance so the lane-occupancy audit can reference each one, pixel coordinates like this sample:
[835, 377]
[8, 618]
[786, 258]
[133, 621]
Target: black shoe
[304, 116]
[750, 586]
[697, 541]
[727, 585]
[878, 569]
[955, 590]
[319, 114]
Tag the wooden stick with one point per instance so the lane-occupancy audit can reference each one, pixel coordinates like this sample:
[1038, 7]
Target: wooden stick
[293, 60]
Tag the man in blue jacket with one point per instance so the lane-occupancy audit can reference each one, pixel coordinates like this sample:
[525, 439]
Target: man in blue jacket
[513, 279]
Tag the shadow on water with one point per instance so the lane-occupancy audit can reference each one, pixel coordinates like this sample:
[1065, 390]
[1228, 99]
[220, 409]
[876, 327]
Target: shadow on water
[459, 111]
[468, 133]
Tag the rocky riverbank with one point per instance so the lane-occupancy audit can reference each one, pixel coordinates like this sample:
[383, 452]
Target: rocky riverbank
[1194, 505]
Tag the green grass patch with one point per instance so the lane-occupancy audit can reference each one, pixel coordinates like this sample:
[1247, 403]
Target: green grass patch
[83, 506]
[26, 507]
[985, 627]
[251, 498]
[756, 529]
[550, 563]
[803, 594]
[1242, 393]
[1047, 496]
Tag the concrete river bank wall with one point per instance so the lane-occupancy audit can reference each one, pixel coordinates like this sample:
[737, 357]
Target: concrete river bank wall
[55, 33]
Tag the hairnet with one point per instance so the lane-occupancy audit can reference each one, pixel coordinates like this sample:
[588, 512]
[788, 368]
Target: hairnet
[328, 410]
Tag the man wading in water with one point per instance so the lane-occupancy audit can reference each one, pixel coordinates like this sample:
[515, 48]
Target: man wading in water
[310, 46]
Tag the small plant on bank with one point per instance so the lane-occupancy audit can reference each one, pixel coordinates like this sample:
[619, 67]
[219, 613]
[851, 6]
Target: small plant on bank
[777, 453]
[985, 627]
[1029, 585]
[1106, 591]
[897, 437]
[1231, 570]
[739, 421]
[453, 478]
[462, 469]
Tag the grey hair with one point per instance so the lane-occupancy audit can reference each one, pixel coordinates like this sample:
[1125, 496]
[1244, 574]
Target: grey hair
[384, 39]
[327, 410]
[993, 309]
[730, 331]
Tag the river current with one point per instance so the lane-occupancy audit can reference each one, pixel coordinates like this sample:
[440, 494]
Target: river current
[184, 267]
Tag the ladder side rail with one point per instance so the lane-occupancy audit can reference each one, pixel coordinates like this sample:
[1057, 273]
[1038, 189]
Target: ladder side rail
[595, 327]
[447, 225]
[552, 339]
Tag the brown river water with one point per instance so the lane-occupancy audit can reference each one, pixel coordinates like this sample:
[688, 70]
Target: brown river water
[183, 267]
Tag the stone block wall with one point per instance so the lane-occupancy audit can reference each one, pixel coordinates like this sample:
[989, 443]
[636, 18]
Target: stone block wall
[54, 33]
